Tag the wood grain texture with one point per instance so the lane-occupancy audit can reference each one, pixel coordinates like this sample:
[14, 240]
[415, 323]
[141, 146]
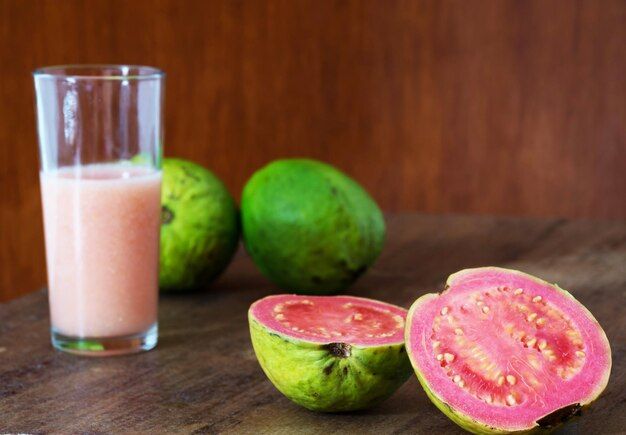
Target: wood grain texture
[203, 376]
[499, 107]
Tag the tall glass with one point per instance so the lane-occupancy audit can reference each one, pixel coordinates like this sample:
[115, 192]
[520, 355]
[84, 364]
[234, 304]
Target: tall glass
[100, 134]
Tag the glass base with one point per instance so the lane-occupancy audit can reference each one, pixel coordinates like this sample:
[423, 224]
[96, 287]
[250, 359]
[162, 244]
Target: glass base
[106, 346]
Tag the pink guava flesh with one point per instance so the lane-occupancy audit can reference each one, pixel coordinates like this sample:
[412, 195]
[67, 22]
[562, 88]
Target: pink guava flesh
[328, 319]
[507, 349]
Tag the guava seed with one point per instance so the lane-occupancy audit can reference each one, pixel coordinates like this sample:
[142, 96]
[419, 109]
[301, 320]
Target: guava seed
[510, 400]
[541, 321]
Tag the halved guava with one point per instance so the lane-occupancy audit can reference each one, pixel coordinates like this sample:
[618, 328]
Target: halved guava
[330, 353]
[501, 351]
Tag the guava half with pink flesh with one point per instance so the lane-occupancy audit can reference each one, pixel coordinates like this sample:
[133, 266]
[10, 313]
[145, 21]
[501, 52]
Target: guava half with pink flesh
[330, 353]
[500, 351]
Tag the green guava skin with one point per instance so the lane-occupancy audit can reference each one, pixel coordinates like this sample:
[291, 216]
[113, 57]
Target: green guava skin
[313, 377]
[467, 422]
[310, 228]
[199, 228]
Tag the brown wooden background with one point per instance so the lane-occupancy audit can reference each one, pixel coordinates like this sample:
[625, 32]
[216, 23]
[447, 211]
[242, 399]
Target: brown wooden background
[499, 107]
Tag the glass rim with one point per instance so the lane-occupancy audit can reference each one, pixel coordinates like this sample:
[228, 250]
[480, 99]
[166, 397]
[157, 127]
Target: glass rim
[140, 72]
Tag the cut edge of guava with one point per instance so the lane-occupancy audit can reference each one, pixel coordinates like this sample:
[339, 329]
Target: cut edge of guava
[471, 424]
[463, 420]
[259, 312]
[594, 394]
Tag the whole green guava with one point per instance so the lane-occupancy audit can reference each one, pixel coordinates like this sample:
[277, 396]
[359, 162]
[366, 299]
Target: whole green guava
[199, 228]
[309, 227]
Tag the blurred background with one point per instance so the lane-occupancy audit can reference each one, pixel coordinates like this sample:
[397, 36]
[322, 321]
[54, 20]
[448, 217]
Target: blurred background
[474, 107]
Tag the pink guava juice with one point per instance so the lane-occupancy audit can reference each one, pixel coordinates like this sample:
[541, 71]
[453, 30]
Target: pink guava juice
[101, 226]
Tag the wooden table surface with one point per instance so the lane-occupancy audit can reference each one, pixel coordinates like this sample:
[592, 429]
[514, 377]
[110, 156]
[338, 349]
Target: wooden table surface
[203, 376]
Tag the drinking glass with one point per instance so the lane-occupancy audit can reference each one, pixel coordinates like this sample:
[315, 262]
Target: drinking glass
[100, 137]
